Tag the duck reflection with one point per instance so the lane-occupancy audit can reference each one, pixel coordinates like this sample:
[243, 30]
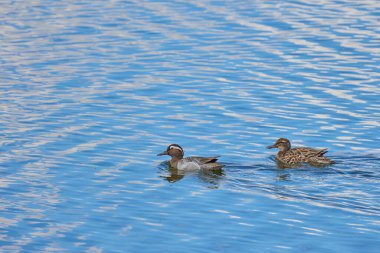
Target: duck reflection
[172, 175]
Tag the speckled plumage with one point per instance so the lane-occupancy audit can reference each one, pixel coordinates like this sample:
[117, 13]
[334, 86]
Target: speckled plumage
[178, 161]
[293, 156]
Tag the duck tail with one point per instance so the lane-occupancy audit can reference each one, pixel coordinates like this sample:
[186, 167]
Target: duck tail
[322, 152]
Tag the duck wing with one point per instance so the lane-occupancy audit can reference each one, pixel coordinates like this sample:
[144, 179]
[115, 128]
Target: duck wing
[309, 152]
[197, 162]
[201, 160]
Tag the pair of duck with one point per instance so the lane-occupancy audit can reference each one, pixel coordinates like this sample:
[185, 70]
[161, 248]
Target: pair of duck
[286, 156]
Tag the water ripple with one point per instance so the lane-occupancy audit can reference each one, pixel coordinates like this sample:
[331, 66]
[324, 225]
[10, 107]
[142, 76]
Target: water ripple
[91, 91]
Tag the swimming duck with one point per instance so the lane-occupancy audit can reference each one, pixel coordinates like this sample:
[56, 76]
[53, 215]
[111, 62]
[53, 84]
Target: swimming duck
[189, 163]
[294, 156]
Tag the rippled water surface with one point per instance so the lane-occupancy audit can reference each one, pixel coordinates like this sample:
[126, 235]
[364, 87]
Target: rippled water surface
[91, 91]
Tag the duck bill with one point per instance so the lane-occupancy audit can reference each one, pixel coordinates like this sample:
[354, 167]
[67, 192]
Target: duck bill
[163, 153]
[271, 146]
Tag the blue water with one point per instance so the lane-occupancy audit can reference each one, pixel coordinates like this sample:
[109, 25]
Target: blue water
[91, 91]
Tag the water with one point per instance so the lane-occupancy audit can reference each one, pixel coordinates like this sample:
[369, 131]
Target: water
[91, 91]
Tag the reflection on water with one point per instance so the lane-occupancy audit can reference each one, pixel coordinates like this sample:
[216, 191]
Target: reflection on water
[91, 90]
[313, 185]
[211, 177]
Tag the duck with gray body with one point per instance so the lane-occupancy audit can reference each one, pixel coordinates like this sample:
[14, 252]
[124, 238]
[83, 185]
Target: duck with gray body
[294, 156]
[191, 163]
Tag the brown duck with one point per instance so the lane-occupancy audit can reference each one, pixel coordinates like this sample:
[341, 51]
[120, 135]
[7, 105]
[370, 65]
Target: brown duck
[178, 161]
[295, 156]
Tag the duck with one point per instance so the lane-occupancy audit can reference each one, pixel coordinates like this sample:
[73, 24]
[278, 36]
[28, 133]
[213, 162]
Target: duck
[295, 156]
[192, 163]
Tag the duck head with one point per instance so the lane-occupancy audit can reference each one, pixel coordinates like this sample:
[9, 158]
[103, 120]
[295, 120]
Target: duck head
[173, 150]
[282, 144]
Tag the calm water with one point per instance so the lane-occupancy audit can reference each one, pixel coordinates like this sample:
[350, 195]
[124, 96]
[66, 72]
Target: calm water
[91, 91]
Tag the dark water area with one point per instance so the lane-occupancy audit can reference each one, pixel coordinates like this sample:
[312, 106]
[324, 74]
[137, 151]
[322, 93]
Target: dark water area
[91, 91]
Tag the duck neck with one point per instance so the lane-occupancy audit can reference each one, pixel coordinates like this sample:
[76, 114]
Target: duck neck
[282, 151]
[174, 161]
